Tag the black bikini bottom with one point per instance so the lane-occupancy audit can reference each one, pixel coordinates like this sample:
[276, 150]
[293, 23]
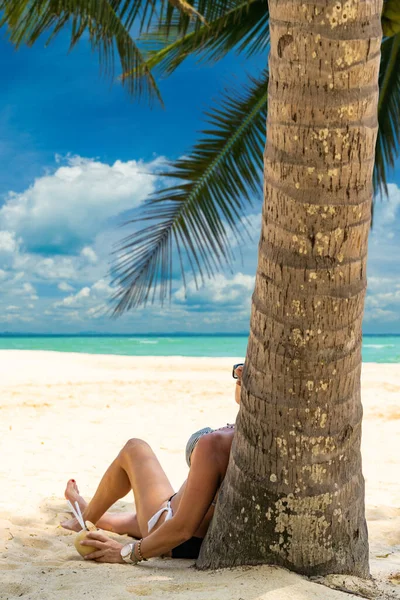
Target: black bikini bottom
[189, 549]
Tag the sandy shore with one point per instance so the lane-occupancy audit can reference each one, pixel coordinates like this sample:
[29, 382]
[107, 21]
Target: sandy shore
[67, 415]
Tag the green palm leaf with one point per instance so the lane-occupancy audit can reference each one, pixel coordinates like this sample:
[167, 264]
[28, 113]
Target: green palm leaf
[187, 9]
[391, 17]
[210, 10]
[244, 28]
[107, 22]
[211, 189]
[387, 146]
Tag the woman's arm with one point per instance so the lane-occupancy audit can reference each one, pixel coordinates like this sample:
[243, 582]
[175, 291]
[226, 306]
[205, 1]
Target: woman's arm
[238, 390]
[201, 487]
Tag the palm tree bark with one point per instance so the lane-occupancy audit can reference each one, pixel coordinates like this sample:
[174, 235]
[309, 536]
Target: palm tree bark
[294, 490]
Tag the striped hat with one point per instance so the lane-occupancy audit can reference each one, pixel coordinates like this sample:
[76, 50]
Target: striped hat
[192, 441]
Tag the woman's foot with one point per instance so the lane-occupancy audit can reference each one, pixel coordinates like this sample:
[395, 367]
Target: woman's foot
[72, 494]
[122, 523]
[71, 524]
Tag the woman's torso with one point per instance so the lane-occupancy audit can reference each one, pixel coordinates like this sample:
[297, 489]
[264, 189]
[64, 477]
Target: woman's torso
[225, 437]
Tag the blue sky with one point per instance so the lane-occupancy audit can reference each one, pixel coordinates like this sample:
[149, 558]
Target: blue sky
[76, 153]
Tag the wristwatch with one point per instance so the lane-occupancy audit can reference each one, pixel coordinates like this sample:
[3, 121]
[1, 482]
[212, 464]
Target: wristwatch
[128, 554]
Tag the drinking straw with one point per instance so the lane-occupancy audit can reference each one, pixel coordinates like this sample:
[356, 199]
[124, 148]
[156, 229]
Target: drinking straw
[81, 521]
[78, 516]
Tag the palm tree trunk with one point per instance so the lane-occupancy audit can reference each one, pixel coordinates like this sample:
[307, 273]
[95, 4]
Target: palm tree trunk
[294, 491]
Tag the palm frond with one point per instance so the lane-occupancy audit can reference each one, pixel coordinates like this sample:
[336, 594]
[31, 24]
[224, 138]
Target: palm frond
[387, 146]
[391, 17]
[187, 9]
[107, 22]
[210, 10]
[244, 28]
[212, 186]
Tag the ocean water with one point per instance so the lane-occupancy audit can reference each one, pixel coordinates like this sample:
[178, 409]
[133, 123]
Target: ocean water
[376, 348]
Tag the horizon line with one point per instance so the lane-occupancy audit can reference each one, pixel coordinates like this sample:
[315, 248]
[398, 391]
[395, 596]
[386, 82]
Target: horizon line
[162, 334]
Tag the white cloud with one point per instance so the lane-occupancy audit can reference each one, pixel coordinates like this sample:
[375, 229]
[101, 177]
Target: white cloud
[15, 318]
[379, 314]
[57, 237]
[378, 283]
[28, 288]
[250, 228]
[75, 299]
[386, 212]
[213, 320]
[89, 254]
[56, 268]
[63, 211]
[75, 315]
[65, 287]
[384, 299]
[92, 299]
[8, 318]
[219, 291]
[102, 288]
[8, 243]
[96, 311]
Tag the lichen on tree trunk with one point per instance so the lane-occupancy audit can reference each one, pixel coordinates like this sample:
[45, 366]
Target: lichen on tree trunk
[294, 491]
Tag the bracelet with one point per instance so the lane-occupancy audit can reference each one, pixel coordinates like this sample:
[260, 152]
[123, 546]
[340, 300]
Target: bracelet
[133, 558]
[139, 550]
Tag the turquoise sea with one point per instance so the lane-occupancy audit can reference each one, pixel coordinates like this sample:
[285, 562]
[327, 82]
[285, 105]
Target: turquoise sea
[376, 348]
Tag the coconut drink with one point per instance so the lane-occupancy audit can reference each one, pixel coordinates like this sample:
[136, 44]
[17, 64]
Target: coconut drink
[87, 526]
[84, 550]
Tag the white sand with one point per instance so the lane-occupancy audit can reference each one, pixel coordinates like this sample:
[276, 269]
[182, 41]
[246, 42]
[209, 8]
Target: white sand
[67, 415]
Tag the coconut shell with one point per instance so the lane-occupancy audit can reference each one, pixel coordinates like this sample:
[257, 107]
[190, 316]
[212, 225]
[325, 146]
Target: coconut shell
[84, 550]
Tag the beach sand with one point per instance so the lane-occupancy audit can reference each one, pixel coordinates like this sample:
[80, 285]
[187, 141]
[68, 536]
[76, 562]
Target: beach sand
[68, 415]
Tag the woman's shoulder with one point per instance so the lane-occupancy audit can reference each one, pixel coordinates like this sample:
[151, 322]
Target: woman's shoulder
[206, 433]
[207, 443]
[215, 443]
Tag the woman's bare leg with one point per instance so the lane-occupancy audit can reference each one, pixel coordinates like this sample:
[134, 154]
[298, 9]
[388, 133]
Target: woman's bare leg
[122, 523]
[137, 468]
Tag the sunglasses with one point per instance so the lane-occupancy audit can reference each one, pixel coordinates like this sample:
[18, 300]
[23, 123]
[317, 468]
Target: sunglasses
[234, 369]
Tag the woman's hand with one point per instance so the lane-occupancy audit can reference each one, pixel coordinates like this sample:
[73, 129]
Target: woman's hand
[108, 550]
[238, 386]
[239, 373]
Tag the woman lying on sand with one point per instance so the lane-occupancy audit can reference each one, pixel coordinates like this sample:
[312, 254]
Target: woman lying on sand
[166, 523]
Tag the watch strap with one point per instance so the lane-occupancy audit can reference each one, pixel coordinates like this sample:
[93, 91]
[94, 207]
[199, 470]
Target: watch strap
[129, 556]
